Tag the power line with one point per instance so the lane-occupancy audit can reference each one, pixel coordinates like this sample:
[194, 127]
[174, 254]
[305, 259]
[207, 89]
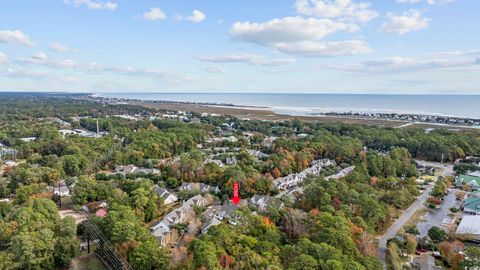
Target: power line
[107, 250]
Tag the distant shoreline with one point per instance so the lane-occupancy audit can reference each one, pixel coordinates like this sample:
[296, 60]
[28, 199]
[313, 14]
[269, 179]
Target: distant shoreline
[266, 113]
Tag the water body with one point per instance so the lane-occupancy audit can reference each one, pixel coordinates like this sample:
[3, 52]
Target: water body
[305, 104]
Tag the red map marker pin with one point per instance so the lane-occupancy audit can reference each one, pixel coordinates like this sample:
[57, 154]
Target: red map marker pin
[235, 198]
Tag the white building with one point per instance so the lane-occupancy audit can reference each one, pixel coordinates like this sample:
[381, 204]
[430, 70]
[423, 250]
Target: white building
[469, 227]
[292, 180]
[167, 196]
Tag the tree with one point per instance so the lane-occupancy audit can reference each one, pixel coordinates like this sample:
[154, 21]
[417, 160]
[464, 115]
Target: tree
[393, 255]
[205, 255]
[472, 258]
[437, 235]
[411, 245]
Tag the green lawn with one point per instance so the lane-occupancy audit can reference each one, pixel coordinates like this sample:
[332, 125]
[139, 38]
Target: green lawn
[88, 262]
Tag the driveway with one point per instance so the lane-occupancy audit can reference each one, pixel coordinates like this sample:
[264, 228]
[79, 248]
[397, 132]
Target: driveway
[435, 217]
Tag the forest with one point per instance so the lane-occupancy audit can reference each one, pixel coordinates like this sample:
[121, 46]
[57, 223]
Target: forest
[332, 226]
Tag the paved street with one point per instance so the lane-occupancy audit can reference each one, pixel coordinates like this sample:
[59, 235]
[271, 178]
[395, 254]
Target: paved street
[446, 170]
[399, 223]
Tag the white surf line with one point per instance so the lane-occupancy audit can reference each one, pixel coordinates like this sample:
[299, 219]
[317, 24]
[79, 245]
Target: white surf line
[437, 124]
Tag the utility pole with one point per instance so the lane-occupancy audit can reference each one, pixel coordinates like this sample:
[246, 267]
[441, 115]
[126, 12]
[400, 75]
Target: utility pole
[88, 242]
[98, 130]
[59, 195]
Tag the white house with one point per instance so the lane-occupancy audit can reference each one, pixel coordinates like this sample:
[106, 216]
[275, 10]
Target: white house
[166, 195]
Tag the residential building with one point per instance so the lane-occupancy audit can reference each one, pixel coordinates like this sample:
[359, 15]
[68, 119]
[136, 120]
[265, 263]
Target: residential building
[471, 205]
[214, 215]
[342, 173]
[167, 196]
[231, 160]
[292, 180]
[258, 154]
[101, 213]
[469, 227]
[28, 139]
[199, 187]
[472, 182]
[126, 169]
[261, 202]
[162, 231]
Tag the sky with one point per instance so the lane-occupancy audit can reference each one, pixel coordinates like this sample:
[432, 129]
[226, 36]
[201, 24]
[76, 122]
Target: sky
[247, 46]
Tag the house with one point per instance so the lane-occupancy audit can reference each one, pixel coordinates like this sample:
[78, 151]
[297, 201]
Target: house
[469, 228]
[9, 163]
[258, 154]
[216, 161]
[267, 142]
[101, 213]
[7, 152]
[302, 135]
[162, 231]
[148, 171]
[261, 202]
[199, 187]
[469, 181]
[126, 169]
[61, 190]
[7, 200]
[231, 160]
[341, 174]
[214, 215]
[166, 195]
[28, 139]
[210, 223]
[292, 180]
[471, 205]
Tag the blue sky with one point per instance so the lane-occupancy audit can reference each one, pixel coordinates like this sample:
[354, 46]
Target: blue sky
[284, 46]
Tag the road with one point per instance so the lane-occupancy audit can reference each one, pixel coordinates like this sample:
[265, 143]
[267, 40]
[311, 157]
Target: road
[399, 223]
[446, 170]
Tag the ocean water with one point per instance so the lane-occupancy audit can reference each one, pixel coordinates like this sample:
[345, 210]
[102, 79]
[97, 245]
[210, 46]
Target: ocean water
[305, 104]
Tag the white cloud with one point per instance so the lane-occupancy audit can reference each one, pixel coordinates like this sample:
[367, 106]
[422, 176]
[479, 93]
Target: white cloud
[166, 76]
[253, 59]
[59, 47]
[407, 64]
[300, 36]
[411, 20]
[154, 14]
[215, 69]
[457, 53]
[197, 16]
[24, 73]
[433, 2]
[15, 36]
[430, 2]
[323, 49]
[42, 58]
[92, 4]
[342, 9]
[286, 30]
[3, 58]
